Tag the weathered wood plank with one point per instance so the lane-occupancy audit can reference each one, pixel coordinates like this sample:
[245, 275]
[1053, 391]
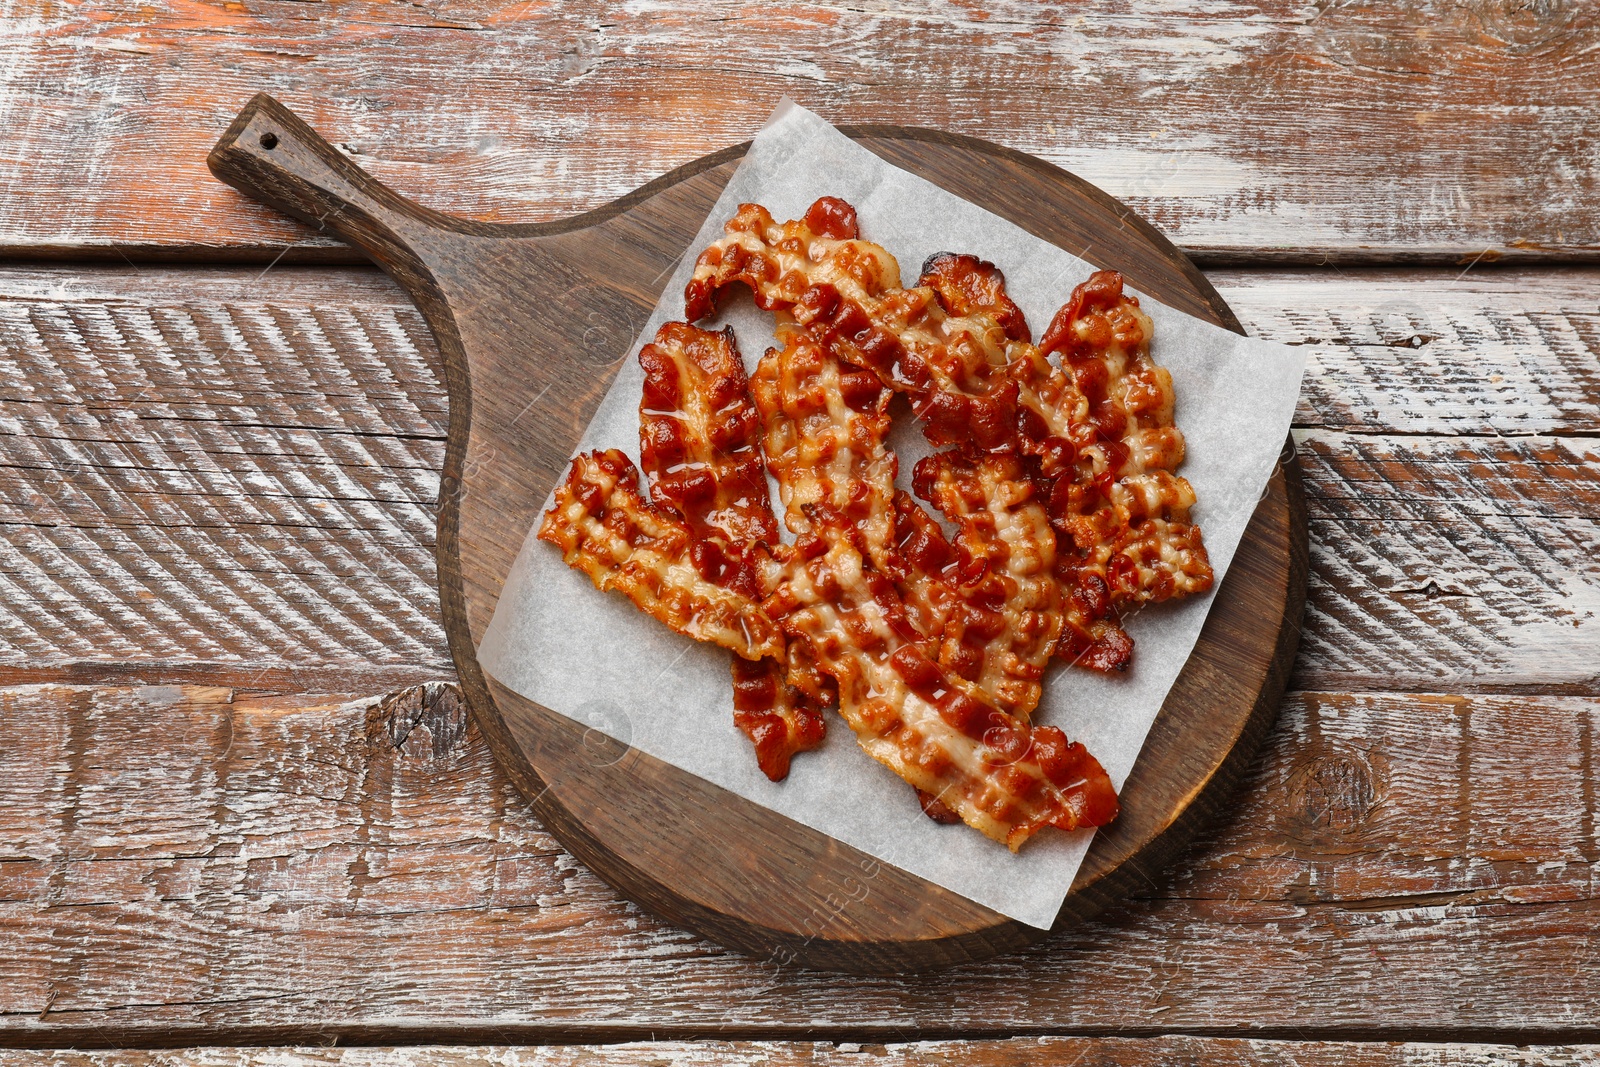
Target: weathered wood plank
[1085, 1052]
[1230, 124]
[1481, 351]
[1452, 562]
[186, 864]
[238, 469]
[246, 477]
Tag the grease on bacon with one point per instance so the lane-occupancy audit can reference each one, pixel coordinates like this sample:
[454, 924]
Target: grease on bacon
[1060, 484]
[699, 434]
[942, 733]
[823, 426]
[937, 731]
[778, 717]
[699, 443]
[699, 587]
[1124, 515]
[846, 293]
[1006, 548]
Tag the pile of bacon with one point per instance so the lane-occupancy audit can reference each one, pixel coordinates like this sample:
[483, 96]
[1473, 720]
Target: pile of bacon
[1057, 480]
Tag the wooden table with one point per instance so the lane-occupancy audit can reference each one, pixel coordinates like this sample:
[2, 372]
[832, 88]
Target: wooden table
[240, 802]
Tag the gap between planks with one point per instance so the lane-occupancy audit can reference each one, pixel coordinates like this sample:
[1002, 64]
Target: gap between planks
[1154, 1051]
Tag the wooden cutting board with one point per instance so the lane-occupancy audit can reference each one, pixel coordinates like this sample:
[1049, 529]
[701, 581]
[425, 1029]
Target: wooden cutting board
[533, 322]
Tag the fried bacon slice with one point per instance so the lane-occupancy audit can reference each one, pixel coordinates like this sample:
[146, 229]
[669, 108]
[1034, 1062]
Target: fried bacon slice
[1005, 543]
[846, 293]
[937, 731]
[967, 285]
[1124, 517]
[990, 604]
[699, 434]
[926, 573]
[1099, 426]
[702, 588]
[824, 424]
[699, 444]
[824, 434]
[824, 429]
[779, 719]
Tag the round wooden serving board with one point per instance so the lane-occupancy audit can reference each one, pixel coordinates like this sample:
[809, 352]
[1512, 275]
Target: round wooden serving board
[534, 321]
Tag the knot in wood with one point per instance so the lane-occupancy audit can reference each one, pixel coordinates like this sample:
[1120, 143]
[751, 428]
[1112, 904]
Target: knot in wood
[427, 721]
[1522, 27]
[1332, 794]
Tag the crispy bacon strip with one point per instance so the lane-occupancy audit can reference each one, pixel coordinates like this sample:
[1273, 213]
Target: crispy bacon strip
[1007, 545]
[967, 285]
[824, 436]
[779, 718]
[824, 425]
[846, 293]
[699, 438]
[936, 730]
[926, 572]
[1125, 515]
[699, 434]
[701, 588]
[956, 345]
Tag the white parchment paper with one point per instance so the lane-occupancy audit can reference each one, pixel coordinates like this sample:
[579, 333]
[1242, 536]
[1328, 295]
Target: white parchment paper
[558, 641]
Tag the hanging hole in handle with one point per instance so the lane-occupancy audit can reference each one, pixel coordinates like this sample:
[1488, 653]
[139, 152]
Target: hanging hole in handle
[269, 141]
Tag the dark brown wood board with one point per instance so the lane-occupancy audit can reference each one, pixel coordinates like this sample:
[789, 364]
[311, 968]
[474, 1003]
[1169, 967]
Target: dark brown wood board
[546, 312]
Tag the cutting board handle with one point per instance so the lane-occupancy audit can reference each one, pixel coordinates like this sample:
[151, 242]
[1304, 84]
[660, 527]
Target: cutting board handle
[269, 153]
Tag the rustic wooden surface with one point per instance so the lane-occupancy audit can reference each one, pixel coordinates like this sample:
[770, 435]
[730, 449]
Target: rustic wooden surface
[653, 832]
[203, 849]
[1435, 129]
[1017, 1052]
[226, 819]
[232, 472]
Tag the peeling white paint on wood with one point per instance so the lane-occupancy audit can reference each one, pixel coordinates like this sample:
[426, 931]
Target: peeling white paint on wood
[204, 861]
[249, 476]
[1472, 352]
[1464, 562]
[1276, 129]
[1096, 1051]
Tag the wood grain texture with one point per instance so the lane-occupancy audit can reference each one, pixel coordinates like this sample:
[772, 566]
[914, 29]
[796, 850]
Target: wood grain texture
[100, 367]
[246, 479]
[1469, 562]
[1432, 128]
[1017, 1052]
[310, 868]
[242, 576]
[1477, 351]
[654, 832]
